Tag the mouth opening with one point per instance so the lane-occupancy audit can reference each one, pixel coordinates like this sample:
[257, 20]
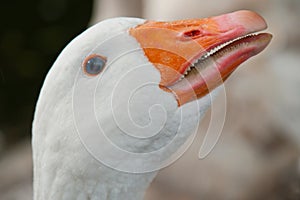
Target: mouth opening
[215, 66]
[231, 45]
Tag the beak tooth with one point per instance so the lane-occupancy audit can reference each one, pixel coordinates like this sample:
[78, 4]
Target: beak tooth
[181, 78]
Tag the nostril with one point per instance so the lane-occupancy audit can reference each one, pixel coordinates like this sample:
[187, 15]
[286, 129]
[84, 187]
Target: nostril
[192, 33]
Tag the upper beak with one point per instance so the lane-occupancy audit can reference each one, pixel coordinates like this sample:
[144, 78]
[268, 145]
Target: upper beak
[173, 48]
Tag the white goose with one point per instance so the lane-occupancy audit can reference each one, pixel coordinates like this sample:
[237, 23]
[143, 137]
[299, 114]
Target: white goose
[125, 95]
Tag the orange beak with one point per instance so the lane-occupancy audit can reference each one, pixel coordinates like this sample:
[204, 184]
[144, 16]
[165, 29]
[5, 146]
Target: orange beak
[180, 50]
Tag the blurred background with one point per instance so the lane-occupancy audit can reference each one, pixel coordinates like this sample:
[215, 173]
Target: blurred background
[257, 156]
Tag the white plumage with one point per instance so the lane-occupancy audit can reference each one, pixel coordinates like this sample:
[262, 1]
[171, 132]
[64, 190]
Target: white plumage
[64, 169]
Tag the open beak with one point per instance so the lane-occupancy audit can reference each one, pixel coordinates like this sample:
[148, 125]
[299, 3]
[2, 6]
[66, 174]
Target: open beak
[195, 56]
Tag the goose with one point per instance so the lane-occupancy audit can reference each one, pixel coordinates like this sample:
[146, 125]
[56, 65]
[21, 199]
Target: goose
[124, 97]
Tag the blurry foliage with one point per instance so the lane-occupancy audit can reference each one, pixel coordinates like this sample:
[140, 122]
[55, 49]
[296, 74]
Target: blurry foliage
[32, 34]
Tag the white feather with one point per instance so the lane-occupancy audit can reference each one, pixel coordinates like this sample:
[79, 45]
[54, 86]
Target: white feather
[78, 118]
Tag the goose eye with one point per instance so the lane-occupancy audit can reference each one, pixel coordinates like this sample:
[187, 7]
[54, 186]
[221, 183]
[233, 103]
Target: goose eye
[94, 64]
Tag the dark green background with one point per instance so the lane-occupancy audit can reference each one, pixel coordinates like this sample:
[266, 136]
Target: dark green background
[32, 35]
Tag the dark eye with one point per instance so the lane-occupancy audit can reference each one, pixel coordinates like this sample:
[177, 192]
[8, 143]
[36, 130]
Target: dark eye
[94, 64]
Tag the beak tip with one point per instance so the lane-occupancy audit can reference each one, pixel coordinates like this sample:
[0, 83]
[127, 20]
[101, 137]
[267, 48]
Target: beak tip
[252, 20]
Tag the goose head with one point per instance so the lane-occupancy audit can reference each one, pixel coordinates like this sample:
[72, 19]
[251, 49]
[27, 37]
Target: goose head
[127, 93]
